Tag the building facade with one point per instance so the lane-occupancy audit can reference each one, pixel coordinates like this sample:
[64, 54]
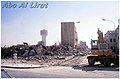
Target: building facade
[69, 34]
[112, 39]
[117, 39]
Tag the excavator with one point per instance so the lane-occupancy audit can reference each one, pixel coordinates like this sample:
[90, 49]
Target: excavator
[101, 53]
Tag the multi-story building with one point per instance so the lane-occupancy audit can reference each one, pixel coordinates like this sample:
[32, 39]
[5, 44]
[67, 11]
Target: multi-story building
[69, 34]
[112, 39]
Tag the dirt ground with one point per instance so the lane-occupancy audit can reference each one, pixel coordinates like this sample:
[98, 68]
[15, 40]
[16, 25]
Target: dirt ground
[51, 61]
[68, 67]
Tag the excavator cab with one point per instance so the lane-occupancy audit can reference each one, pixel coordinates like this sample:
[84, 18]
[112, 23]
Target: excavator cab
[98, 46]
[103, 46]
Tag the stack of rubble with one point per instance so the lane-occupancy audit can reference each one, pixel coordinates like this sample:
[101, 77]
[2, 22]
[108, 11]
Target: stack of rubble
[41, 54]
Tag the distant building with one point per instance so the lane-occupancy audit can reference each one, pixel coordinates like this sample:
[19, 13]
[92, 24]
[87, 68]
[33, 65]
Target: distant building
[69, 34]
[44, 34]
[112, 39]
[82, 46]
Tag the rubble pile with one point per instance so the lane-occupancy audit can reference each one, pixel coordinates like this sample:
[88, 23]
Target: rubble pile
[39, 54]
[53, 50]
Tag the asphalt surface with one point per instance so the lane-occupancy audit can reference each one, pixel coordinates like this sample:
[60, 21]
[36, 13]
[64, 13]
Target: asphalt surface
[4, 74]
[65, 72]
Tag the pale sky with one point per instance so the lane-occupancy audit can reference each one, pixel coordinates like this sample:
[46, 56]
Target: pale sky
[24, 25]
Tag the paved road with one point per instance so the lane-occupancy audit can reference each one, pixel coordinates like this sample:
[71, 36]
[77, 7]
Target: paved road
[4, 74]
[65, 72]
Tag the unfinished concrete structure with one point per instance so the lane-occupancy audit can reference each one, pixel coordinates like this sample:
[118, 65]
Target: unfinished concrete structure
[69, 34]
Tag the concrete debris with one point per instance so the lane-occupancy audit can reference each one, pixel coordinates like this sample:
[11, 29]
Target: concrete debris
[51, 55]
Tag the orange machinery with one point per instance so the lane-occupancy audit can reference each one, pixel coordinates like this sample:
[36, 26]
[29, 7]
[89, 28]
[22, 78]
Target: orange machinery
[101, 53]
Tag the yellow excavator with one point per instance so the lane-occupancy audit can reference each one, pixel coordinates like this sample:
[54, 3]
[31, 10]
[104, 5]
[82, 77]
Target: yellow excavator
[101, 53]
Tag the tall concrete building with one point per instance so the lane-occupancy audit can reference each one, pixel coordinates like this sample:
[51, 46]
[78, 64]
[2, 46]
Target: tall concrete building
[69, 34]
[44, 34]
